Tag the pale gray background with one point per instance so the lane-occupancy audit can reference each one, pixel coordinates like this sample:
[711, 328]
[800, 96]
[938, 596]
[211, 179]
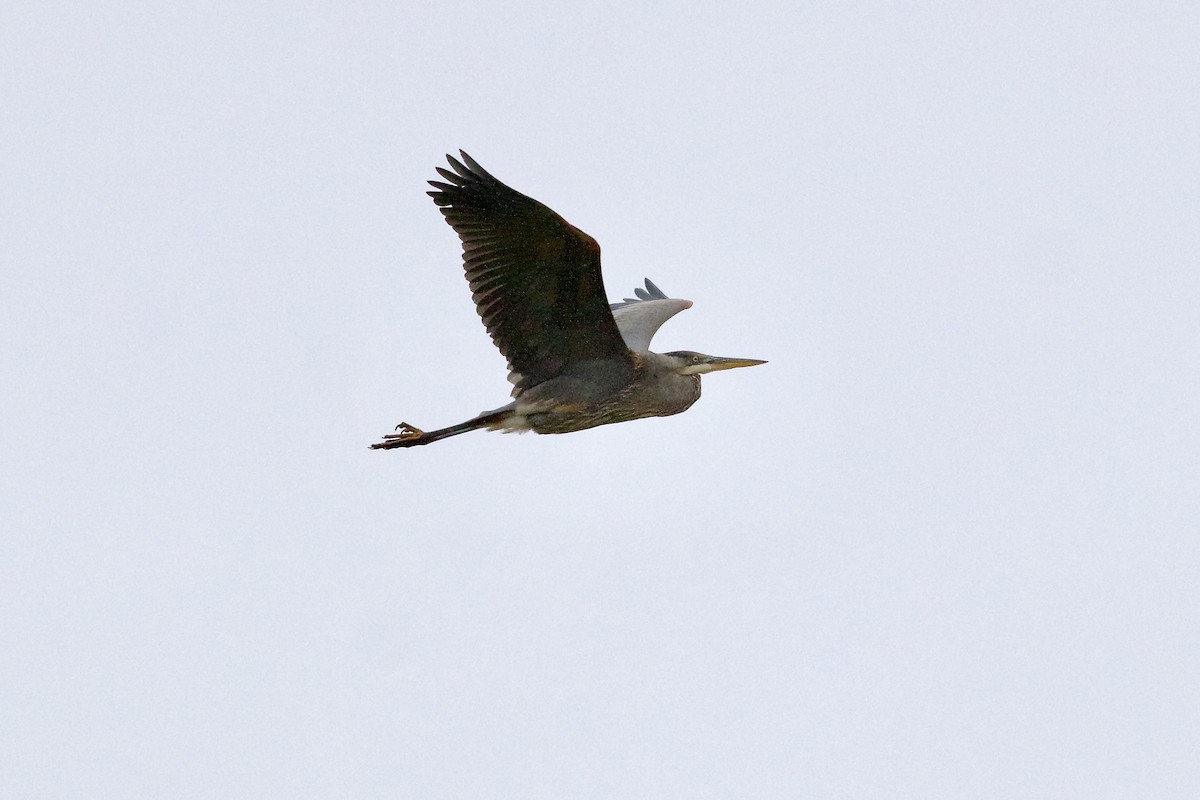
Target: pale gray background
[944, 545]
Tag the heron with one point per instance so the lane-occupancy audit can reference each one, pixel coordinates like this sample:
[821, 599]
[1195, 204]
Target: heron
[574, 360]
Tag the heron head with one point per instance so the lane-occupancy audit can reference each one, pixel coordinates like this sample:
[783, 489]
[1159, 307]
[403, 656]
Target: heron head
[692, 363]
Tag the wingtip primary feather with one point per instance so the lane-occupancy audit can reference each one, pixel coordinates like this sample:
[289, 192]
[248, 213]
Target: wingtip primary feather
[473, 164]
[467, 168]
[458, 166]
[453, 177]
[651, 292]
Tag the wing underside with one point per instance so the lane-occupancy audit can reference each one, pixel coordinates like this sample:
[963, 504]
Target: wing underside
[640, 317]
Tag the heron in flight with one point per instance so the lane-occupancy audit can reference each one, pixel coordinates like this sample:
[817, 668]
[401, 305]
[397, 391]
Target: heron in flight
[575, 362]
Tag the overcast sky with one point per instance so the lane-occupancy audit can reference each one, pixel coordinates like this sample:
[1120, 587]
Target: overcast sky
[946, 544]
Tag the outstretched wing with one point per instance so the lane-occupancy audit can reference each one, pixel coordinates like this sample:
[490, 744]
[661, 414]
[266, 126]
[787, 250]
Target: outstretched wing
[535, 278]
[640, 318]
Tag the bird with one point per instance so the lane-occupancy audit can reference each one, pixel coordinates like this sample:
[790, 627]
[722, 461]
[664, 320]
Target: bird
[575, 361]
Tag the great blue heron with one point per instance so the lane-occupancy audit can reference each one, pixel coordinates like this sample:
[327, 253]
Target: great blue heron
[575, 362]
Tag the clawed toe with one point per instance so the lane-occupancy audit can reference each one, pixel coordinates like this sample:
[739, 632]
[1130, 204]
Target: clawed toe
[406, 437]
[406, 432]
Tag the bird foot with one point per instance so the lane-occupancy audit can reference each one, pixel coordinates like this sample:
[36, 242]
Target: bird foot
[406, 432]
[407, 436]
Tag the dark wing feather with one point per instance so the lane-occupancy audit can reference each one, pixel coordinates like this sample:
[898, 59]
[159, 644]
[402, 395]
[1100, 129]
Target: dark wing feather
[651, 292]
[535, 278]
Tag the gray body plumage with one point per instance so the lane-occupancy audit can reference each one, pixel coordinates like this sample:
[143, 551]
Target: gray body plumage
[591, 397]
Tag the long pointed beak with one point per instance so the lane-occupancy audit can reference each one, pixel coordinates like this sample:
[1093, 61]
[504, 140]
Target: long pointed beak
[719, 363]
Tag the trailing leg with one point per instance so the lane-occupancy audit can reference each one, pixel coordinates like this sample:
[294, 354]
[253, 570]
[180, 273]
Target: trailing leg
[409, 436]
